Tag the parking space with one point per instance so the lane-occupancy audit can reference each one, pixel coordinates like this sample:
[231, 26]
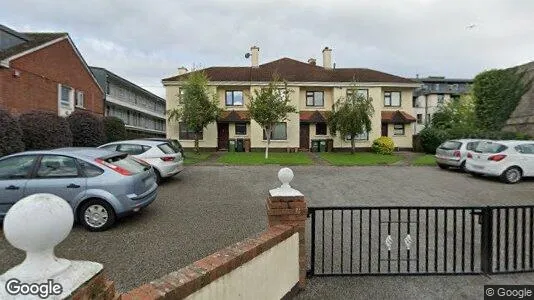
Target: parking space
[208, 207]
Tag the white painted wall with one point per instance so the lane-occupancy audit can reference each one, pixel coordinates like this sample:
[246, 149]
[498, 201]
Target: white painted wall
[270, 275]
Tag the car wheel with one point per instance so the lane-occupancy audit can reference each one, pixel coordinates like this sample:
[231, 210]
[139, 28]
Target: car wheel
[512, 175]
[444, 167]
[158, 176]
[462, 167]
[97, 215]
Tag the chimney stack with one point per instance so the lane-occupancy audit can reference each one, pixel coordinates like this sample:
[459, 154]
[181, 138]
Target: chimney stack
[255, 56]
[182, 70]
[327, 58]
[312, 61]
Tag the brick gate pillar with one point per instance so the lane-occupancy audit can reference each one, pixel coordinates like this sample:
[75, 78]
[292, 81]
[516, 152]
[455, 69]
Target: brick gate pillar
[287, 206]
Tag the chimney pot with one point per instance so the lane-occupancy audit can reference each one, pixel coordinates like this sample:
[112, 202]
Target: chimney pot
[312, 61]
[255, 56]
[327, 58]
[182, 70]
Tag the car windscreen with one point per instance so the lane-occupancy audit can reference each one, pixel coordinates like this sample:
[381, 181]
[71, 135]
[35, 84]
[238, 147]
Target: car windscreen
[127, 163]
[451, 145]
[489, 147]
[167, 148]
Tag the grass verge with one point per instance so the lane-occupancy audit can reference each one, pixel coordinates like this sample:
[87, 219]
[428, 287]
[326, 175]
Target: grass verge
[258, 158]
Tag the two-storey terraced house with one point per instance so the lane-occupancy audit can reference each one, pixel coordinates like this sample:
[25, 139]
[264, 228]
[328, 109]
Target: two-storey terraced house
[312, 90]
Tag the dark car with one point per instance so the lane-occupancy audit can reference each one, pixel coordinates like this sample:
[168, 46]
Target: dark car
[173, 142]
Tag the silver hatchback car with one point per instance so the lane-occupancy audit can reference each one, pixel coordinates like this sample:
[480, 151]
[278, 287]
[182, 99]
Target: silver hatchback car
[100, 185]
[453, 153]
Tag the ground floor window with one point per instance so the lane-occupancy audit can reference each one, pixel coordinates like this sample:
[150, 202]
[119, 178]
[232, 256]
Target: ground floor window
[279, 132]
[188, 134]
[359, 137]
[240, 128]
[398, 129]
[419, 118]
[320, 129]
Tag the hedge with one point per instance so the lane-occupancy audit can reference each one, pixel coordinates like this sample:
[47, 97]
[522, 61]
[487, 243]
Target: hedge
[10, 134]
[87, 129]
[44, 130]
[114, 129]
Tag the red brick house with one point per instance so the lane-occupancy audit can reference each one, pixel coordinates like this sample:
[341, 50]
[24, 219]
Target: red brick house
[45, 71]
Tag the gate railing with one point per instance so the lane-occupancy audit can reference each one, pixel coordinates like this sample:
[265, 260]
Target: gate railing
[420, 240]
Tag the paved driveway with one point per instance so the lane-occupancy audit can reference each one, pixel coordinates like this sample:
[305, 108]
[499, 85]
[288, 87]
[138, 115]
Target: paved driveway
[207, 208]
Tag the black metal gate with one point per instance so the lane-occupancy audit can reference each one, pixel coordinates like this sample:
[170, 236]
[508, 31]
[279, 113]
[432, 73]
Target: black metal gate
[401, 240]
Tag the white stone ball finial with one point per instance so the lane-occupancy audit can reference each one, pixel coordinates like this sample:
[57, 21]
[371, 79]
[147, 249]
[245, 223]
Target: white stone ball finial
[36, 224]
[285, 175]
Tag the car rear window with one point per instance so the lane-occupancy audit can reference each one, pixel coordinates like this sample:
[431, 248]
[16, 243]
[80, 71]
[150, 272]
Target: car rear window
[127, 162]
[167, 148]
[451, 145]
[488, 147]
[472, 146]
[132, 149]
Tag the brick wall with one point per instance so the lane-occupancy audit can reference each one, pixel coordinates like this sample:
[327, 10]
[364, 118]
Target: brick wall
[40, 73]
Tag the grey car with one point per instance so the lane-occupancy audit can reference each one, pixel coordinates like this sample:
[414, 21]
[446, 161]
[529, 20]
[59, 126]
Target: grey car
[100, 185]
[453, 153]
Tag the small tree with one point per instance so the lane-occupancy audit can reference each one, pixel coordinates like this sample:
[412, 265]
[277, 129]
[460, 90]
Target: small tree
[10, 134]
[456, 114]
[87, 129]
[114, 129]
[198, 107]
[270, 106]
[351, 116]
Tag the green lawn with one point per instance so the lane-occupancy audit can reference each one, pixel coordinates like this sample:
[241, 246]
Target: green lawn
[425, 160]
[359, 159]
[258, 158]
[192, 158]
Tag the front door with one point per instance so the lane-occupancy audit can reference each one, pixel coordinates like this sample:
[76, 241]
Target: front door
[384, 129]
[222, 136]
[304, 136]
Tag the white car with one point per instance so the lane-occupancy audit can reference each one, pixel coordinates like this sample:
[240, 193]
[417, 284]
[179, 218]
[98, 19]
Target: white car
[161, 155]
[509, 160]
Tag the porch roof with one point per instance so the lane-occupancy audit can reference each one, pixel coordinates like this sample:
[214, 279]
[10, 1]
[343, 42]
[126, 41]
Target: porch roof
[234, 116]
[397, 116]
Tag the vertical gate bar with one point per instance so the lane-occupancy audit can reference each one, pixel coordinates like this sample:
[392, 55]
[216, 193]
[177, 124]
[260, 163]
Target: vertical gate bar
[313, 238]
[445, 240]
[351, 238]
[342, 225]
[472, 246]
[426, 242]
[399, 217]
[332, 244]
[379, 237]
[417, 240]
[322, 243]
[463, 240]
[515, 238]
[436, 240]
[523, 236]
[530, 239]
[360, 258]
[506, 238]
[498, 238]
[369, 243]
[389, 234]
[407, 248]
[454, 241]
[486, 245]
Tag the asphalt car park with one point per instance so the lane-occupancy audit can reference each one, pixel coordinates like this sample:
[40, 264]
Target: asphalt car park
[206, 208]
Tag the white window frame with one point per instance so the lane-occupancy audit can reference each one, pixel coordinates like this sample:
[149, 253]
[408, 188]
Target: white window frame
[359, 92]
[360, 137]
[70, 101]
[80, 99]
[388, 98]
[396, 132]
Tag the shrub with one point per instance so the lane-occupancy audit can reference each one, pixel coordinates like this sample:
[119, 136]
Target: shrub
[44, 130]
[87, 129]
[10, 134]
[114, 129]
[383, 145]
[431, 138]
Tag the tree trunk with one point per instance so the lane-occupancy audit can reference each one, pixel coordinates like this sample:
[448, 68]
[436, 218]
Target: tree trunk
[268, 133]
[352, 145]
[197, 149]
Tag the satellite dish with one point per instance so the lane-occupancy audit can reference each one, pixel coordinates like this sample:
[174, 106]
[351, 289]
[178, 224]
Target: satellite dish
[247, 55]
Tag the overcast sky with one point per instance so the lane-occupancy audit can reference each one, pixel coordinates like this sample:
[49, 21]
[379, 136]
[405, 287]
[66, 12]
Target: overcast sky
[145, 41]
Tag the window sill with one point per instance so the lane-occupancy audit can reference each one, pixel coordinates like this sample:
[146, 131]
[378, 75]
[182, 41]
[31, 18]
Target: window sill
[399, 135]
[392, 106]
[276, 141]
[315, 106]
[79, 106]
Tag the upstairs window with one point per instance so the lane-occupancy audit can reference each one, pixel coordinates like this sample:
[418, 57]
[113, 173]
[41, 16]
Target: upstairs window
[234, 98]
[419, 118]
[80, 101]
[359, 92]
[314, 98]
[392, 99]
[441, 99]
